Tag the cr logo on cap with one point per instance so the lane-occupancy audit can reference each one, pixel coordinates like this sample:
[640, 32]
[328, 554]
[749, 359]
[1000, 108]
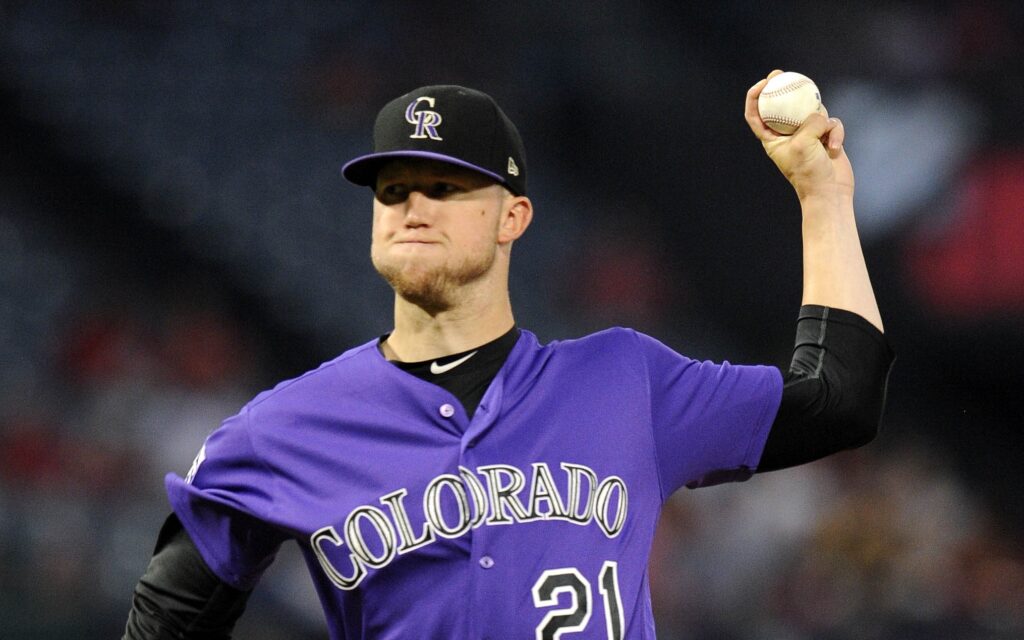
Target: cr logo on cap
[426, 121]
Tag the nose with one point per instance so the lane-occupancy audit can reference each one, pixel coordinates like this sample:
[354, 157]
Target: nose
[418, 209]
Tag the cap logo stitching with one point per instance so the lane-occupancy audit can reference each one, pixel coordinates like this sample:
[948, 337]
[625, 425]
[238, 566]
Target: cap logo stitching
[425, 120]
[513, 169]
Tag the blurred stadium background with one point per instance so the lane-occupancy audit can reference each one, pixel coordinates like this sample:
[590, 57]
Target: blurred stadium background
[175, 236]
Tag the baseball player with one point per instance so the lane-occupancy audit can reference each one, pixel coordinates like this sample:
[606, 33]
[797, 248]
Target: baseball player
[456, 478]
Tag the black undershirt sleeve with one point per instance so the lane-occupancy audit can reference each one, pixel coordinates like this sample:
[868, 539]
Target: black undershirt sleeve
[834, 392]
[179, 596]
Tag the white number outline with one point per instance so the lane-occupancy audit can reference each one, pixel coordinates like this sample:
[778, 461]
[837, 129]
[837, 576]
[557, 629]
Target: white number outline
[615, 626]
[614, 616]
[539, 601]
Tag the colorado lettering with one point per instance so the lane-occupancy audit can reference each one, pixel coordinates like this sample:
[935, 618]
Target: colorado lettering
[496, 494]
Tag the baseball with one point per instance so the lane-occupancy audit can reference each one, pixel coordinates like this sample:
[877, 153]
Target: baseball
[787, 100]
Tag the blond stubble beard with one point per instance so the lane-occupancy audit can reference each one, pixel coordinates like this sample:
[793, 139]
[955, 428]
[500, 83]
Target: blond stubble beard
[433, 289]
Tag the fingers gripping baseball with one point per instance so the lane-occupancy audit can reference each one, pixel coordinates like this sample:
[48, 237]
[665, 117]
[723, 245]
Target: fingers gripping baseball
[751, 113]
[812, 158]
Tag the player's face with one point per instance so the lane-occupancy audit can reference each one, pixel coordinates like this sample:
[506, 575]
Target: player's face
[435, 229]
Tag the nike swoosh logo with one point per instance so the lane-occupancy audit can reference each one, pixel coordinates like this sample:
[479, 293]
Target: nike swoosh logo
[438, 369]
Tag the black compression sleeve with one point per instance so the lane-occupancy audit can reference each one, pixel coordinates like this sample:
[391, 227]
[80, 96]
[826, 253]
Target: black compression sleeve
[834, 392]
[179, 596]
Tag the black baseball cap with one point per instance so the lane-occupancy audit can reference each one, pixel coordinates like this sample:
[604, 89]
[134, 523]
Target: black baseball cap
[464, 127]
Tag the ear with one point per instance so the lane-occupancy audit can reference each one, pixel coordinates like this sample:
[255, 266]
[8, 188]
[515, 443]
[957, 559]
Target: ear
[516, 214]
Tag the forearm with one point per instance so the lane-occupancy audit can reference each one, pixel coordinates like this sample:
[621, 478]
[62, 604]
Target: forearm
[814, 161]
[835, 273]
[179, 597]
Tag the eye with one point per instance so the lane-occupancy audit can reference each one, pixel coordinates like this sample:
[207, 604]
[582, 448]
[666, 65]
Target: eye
[392, 193]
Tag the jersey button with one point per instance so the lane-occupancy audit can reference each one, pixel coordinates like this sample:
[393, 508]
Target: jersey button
[486, 562]
[447, 410]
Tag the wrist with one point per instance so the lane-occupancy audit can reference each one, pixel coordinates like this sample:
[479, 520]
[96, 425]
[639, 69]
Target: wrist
[829, 201]
[822, 189]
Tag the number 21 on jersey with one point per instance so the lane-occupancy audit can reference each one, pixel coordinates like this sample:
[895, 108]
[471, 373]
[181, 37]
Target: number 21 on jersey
[575, 617]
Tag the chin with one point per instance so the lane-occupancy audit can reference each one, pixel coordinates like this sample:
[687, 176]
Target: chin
[415, 282]
[430, 284]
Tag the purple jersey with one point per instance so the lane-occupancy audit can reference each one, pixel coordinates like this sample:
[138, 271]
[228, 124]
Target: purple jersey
[533, 519]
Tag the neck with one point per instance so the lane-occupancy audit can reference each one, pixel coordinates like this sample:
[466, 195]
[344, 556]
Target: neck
[420, 335]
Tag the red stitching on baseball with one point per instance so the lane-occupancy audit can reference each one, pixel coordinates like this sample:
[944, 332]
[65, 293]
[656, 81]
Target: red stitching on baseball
[786, 89]
[781, 120]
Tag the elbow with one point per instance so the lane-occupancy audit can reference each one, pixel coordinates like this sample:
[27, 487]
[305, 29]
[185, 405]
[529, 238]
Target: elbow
[862, 422]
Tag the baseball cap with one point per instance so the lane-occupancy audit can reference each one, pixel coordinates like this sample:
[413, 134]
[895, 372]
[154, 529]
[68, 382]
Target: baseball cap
[449, 123]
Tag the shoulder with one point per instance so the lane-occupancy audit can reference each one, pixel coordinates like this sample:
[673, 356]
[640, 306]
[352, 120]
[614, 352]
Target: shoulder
[637, 351]
[616, 342]
[332, 378]
[616, 348]
[614, 338]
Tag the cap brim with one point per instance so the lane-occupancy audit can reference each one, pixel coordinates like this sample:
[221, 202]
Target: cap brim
[363, 170]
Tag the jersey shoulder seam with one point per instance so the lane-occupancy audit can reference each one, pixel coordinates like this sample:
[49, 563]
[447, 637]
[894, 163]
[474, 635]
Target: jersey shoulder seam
[635, 335]
[247, 418]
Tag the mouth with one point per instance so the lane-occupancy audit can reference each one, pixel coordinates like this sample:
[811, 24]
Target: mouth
[415, 241]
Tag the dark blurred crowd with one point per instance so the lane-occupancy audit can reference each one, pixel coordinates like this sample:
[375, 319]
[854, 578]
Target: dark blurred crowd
[174, 238]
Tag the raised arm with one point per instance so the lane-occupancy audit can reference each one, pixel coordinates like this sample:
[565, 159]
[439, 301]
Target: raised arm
[834, 391]
[815, 163]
